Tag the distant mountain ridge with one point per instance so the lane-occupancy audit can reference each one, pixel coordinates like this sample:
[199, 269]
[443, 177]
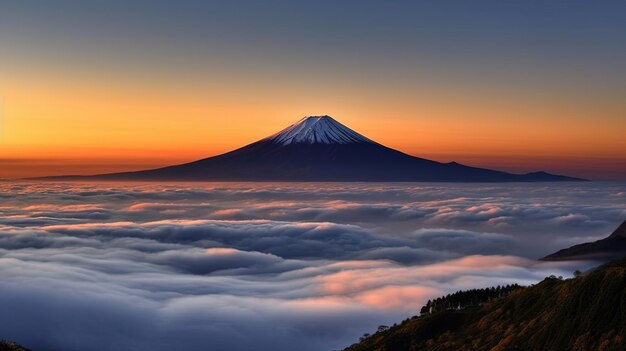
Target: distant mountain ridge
[318, 148]
[611, 247]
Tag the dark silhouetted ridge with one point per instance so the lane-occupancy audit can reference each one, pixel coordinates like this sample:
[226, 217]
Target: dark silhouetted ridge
[11, 346]
[611, 247]
[319, 148]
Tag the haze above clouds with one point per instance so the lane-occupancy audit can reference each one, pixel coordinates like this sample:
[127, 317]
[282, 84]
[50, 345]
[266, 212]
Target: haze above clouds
[234, 266]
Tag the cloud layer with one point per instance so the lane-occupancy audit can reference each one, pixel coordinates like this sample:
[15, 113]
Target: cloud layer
[235, 266]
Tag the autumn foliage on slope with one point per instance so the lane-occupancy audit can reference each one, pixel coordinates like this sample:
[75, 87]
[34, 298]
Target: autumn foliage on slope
[579, 314]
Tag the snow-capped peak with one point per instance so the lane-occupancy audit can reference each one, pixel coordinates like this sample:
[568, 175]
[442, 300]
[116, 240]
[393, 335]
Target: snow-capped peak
[318, 130]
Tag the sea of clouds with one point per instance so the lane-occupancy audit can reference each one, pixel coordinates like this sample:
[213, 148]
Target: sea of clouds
[268, 266]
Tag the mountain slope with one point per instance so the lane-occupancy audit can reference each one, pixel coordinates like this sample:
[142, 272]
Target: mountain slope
[580, 314]
[10, 346]
[611, 247]
[318, 148]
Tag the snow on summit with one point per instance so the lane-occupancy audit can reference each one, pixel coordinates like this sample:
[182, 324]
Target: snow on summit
[318, 130]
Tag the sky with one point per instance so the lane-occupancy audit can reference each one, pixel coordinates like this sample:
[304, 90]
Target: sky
[270, 266]
[101, 86]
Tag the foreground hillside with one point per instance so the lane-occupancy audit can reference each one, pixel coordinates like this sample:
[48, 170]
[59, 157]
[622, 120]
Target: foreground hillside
[584, 313]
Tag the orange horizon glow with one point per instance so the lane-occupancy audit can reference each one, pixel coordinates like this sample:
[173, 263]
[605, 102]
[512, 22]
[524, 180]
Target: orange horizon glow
[65, 125]
[97, 88]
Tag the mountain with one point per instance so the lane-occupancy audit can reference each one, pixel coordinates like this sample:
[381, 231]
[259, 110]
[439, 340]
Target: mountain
[318, 148]
[579, 314]
[11, 346]
[611, 247]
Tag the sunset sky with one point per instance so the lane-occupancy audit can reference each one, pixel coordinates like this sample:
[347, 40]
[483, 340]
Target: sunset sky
[101, 86]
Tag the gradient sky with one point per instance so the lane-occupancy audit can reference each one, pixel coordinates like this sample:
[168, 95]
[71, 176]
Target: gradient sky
[96, 86]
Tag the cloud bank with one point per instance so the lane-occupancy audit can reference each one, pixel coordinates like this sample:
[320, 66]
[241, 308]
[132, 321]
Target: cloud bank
[268, 266]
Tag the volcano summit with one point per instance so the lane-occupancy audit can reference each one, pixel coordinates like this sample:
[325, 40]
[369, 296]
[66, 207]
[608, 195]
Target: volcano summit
[318, 148]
